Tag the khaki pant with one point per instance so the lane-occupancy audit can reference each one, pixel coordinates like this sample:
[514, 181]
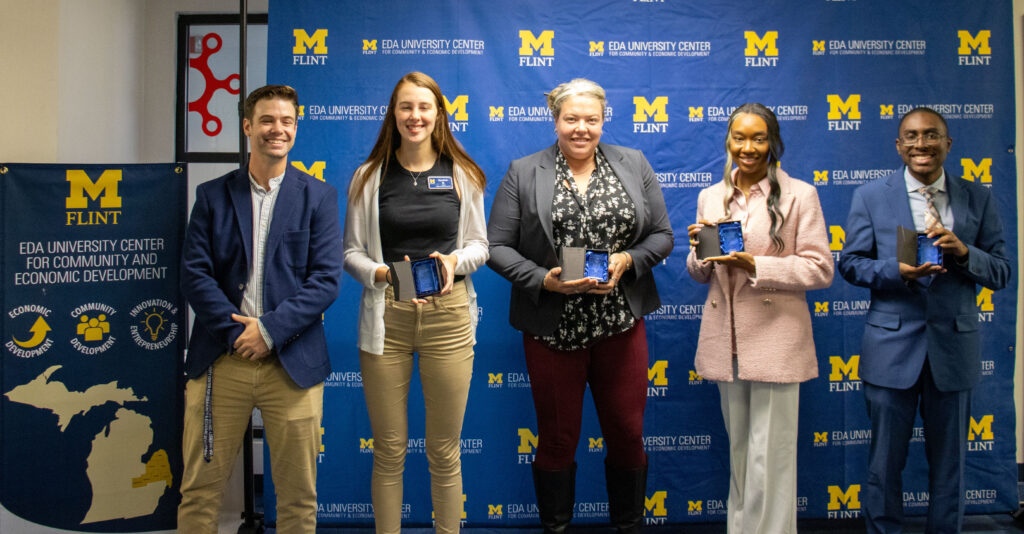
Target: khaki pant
[291, 419]
[440, 333]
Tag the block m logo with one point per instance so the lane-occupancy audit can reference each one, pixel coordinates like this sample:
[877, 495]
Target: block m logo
[982, 171]
[765, 44]
[369, 44]
[981, 429]
[529, 43]
[646, 110]
[984, 300]
[457, 108]
[316, 170]
[697, 113]
[595, 443]
[494, 378]
[821, 176]
[838, 238]
[317, 41]
[850, 499]
[527, 441]
[841, 368]
[656, 504]
[978, 44]
[837, 107]
[821, 437]
[366, 443]
[494, 509]
[656, 374]
[81, 185]
[821, 307]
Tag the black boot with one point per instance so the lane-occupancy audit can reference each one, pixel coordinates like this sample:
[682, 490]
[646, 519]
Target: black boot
[556, 493]
[627, 489]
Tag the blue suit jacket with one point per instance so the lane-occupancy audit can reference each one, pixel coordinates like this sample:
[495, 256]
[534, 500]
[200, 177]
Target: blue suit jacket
[908, 321]
[302, 269]
[522, 242]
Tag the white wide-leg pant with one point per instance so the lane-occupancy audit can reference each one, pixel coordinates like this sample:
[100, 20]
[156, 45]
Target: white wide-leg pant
[761, 420]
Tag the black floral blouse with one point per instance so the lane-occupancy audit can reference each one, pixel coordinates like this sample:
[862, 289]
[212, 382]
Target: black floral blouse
[603, 220]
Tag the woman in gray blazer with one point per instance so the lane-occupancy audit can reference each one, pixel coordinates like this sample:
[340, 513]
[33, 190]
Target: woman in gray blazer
[583, 193]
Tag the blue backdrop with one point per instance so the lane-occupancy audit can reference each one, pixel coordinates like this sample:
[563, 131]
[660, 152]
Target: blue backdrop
[839, 74]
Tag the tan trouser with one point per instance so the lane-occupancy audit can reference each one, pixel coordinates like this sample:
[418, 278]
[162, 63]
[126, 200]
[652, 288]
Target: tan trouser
[440, 333]
[291, 420]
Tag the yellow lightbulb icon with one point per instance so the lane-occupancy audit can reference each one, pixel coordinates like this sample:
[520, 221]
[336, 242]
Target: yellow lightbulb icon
[154, 322]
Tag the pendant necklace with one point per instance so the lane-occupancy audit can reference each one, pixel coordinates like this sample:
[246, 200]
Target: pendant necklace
[416, 177]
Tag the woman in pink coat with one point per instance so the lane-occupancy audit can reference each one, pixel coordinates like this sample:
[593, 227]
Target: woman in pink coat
[755, 335]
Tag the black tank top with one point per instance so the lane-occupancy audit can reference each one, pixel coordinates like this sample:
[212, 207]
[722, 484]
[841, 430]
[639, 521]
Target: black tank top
[419, 212]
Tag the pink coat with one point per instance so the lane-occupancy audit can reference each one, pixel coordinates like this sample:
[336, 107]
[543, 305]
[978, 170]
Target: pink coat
[770, 317]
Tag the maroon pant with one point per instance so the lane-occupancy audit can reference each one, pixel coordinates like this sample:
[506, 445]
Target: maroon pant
[616, 369]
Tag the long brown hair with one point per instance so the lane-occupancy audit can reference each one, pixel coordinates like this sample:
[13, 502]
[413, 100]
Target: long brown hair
[775, 149]
[388, 140]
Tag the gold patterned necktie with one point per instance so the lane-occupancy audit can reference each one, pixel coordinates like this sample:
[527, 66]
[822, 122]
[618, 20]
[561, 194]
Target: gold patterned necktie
[931, 215]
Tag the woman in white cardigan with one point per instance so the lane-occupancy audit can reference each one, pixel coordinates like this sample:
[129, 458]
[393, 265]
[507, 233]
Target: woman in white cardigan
[418, 194]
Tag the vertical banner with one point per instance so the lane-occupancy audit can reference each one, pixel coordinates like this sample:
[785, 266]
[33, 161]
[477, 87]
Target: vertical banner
[839, 76]
[93, 338]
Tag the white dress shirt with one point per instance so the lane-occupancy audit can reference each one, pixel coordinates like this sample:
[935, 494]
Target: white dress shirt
[262, 213]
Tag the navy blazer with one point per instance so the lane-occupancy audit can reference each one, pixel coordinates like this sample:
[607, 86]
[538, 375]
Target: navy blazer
[302, 270]
[522, 242]
[908, 321]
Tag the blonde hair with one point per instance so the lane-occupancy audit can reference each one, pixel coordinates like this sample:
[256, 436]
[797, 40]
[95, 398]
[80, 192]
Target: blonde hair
[577, 86]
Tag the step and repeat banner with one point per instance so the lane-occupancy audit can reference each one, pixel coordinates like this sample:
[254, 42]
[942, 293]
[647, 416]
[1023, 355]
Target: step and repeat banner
[93, 329]
[839, 75]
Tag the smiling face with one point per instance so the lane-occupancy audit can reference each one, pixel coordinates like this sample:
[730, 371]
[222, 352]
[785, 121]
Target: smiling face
[923, 161]
[579, 126]
[749, 146]
[271, 131]
[415, 113]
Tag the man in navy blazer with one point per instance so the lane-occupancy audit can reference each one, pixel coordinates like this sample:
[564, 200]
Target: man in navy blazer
[921, 340]
[262, 261]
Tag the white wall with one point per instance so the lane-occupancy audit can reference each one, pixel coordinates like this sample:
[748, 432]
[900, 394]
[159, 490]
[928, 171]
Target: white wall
[99, 89]
[29, 105]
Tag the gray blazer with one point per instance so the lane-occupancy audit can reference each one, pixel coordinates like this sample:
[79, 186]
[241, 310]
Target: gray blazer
[522, 243]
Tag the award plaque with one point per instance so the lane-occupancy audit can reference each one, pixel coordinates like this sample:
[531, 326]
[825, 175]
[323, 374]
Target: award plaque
[416, 278]
[730, 237]
[915, 248]
[927, 252]
[720, 239]
[578, 262]
[596, 265]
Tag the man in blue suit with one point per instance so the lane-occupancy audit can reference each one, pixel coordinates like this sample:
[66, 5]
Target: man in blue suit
[921, 341]
[262, 261]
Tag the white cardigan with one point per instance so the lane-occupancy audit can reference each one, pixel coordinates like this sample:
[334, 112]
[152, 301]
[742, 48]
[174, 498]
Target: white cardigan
[363, 253]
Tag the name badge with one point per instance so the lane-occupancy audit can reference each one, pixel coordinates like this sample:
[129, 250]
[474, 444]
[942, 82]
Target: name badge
[440, 182]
